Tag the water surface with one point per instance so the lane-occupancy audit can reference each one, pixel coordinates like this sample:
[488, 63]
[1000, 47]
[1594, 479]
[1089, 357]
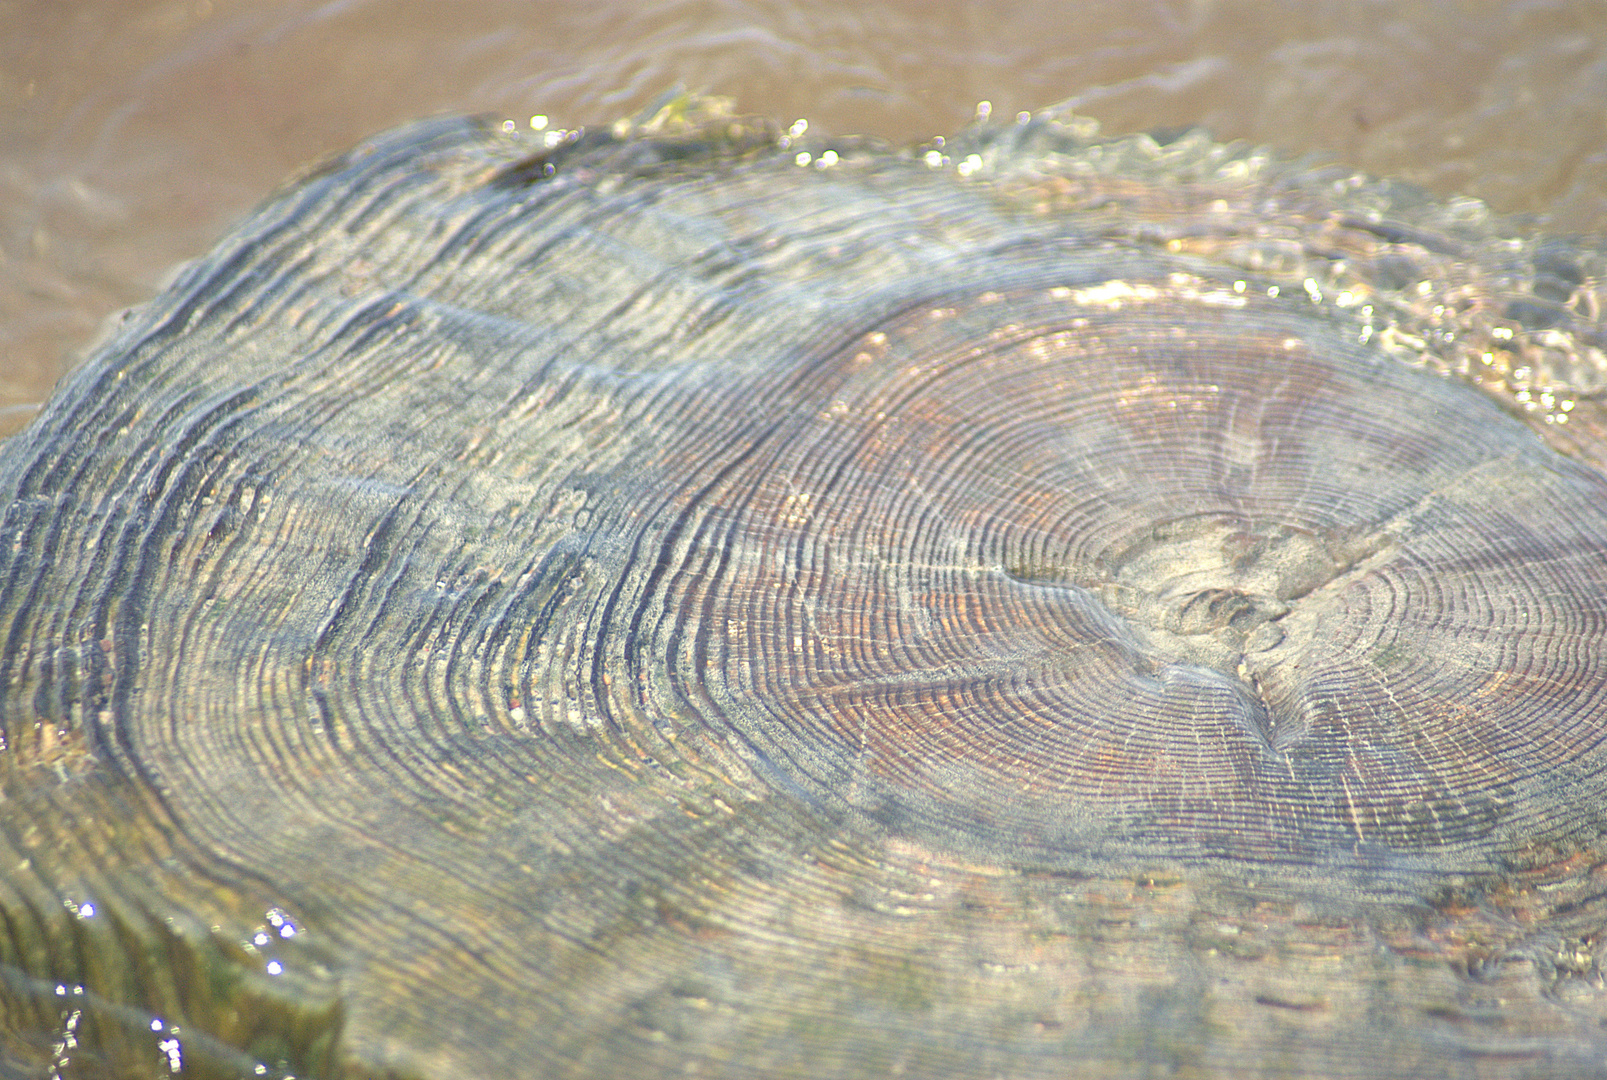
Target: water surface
[134, 132]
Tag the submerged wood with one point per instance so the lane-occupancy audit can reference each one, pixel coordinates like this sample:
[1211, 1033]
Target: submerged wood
[695, 600]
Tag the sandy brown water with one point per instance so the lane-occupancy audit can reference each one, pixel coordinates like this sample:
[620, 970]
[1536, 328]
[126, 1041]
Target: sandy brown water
[134, 132]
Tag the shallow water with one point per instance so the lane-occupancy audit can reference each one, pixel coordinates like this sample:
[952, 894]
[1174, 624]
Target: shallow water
[132, 134]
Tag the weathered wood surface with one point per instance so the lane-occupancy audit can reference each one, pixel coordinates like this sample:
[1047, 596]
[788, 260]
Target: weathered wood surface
[692, 601]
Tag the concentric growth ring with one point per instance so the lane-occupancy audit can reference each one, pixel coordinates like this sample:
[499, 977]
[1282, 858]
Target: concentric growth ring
[1123, 567]
[694, 602]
